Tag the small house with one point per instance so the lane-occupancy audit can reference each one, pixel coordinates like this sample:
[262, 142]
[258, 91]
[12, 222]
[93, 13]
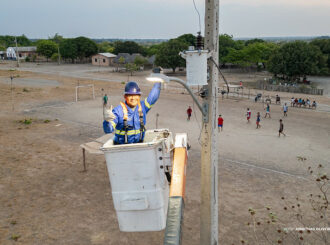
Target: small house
[103, 59]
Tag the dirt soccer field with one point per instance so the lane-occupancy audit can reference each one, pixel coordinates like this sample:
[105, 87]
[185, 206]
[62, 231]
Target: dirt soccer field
[46, 198]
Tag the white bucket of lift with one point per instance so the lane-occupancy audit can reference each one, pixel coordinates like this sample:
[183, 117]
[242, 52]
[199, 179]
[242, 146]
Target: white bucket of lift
[139, 186]
[196, 65]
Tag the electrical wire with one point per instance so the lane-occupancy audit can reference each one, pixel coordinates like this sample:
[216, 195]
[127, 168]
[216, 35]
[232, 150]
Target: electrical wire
[200, 127]
[223, 77]
[199, 17]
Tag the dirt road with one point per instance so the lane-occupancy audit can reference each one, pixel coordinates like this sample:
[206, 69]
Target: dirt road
[47, 199]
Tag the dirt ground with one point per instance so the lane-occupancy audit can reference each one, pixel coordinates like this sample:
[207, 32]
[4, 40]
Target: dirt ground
[46, 198]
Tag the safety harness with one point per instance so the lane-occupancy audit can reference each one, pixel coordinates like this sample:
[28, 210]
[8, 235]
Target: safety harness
[125, 111]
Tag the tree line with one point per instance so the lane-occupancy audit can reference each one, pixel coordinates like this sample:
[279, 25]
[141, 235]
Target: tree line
[289, 60]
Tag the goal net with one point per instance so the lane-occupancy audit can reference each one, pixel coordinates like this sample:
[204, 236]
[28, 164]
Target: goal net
[84, 92]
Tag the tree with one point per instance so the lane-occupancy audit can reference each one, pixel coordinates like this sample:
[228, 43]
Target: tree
[56, 38]
[46, 48]
[227, 42]
[259, 52]
[168, 54]
[190, 39]
[140, 61]
[85, 47]
[106, 47]
[152, 50]
[8, 41]
[54, 57]
[122, 60]
[324, 46]
[131, 67]
[296, 59]
[255, 40]
[128, 47]
[69, 49]
[238, 57]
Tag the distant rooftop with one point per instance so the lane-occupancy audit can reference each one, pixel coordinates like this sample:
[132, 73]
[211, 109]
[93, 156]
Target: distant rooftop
[108, 55]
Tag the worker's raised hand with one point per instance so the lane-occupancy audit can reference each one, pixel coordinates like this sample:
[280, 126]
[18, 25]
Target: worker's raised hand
[108, 114]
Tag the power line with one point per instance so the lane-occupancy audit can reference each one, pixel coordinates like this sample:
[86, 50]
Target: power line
[199, 17]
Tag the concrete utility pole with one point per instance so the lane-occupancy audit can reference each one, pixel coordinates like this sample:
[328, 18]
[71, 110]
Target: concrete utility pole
[209, 166]
[17, 55]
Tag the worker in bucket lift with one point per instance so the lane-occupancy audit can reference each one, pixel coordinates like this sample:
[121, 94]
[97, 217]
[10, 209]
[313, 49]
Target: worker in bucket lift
[128, 119]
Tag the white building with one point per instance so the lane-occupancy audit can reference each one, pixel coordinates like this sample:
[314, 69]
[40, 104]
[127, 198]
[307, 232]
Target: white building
[23, 52]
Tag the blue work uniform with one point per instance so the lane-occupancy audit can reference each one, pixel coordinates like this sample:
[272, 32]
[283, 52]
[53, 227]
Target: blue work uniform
[133, 121]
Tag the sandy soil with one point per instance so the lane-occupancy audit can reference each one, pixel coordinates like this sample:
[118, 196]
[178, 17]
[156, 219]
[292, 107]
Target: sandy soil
[47, 199]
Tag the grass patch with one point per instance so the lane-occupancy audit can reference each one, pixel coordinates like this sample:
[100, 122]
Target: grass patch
[14, 237]
[26, 121]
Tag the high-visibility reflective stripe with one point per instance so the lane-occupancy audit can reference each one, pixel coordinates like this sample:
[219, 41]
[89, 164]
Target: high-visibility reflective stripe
[124, 110]
[147, 104]
[113, 124]
[129, 132]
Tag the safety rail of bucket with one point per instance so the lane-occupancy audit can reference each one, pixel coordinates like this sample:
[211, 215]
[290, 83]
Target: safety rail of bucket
[177, 190]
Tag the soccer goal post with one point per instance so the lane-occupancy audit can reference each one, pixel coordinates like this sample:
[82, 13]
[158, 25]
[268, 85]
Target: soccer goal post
[84, 86]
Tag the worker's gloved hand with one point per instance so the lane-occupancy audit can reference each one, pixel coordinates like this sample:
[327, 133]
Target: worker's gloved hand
[108, 114]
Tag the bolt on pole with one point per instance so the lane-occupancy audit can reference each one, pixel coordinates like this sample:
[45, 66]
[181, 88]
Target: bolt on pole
[209, 154]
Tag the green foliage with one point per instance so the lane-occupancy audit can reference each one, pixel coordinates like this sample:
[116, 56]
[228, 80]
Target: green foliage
[46, 48]
[27, 59]
[152, 50]
[68, 49]
[122, 60]
[56, 38]
[168, 54]
[47, 121]
[190, 39]
[85, 47]
[296, 59]
[140, 61]
[14, 237]
[226, 42]
[128, 47]
[2, 48]
[26, 121]
[54, 57]
[324, 46]
[131, 67]
[252, 41]
[9, 41]
[105, 47]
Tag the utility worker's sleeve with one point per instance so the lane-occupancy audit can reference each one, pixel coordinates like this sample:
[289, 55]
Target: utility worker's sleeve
[109, 127]
[153, 96]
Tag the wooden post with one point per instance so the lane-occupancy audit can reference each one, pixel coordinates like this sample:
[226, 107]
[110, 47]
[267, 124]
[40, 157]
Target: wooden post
[84, 159]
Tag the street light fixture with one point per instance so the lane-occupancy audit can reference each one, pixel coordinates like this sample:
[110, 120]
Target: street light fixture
[158, 77]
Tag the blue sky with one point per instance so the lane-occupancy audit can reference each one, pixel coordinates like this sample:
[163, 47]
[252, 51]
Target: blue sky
[161, 18]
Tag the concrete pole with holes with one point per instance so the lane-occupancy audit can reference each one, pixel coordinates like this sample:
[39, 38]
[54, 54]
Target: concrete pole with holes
[209, 153]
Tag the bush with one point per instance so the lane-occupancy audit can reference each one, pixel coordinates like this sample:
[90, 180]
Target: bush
[27, 59]
[54, 57]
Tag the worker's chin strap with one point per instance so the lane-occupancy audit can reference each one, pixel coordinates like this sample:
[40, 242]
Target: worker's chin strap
[141, 122]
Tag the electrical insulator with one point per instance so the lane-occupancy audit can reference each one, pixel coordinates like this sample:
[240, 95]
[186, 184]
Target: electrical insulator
[199, 42]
